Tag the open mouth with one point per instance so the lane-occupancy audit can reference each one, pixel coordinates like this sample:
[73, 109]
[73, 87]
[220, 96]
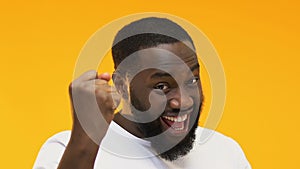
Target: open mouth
[177, 124]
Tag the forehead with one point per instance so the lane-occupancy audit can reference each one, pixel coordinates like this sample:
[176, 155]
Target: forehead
[168, 56]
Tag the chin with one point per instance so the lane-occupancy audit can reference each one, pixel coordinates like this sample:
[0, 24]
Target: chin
[172, 138]
[173, 146]
[183, 147]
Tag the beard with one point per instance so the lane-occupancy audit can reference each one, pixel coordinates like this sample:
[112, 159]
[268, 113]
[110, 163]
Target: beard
[183, 147]
[154, 128]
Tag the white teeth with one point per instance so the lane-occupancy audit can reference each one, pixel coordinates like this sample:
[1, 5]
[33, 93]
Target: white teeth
[181, 128]
[176, 119]
[179, 118]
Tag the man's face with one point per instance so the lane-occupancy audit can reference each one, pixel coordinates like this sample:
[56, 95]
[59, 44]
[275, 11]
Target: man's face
[176, 95]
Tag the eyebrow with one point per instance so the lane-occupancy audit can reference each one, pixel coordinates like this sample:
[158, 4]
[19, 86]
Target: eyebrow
[195, 67]
[160, 75]
[164, 74]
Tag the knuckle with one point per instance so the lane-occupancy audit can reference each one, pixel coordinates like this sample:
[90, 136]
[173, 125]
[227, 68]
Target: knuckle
[101, 96]
[84, 86]
[70, 86]
[90, 73]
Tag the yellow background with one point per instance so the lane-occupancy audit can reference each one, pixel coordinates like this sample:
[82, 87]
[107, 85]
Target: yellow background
[258, 43]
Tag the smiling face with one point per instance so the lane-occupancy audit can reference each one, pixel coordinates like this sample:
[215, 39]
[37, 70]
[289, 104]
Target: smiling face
[175, 91]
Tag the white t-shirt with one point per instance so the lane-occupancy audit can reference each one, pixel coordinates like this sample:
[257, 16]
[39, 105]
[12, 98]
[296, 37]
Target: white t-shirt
[120, 149]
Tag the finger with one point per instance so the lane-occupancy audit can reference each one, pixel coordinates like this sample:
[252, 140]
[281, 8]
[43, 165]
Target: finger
[104, 76]
[108, 100]
[116, 98]
[89, 75]
[112, 89]
[100, 82]
[105, 87]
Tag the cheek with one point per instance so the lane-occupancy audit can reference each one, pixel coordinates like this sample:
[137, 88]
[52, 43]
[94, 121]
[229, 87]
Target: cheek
[138, 101]
[195, 93]
[157, 102]
[150, 107]
[145, 100]
[200, 95]
[155, 105]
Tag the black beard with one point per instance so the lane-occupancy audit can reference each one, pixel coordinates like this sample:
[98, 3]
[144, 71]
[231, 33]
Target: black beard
[154, 128]
[183, 147]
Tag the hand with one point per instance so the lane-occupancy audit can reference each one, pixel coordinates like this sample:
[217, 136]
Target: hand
[94, 102]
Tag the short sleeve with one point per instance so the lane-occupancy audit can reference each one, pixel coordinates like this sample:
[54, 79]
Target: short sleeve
[243, 163]
[52, 150]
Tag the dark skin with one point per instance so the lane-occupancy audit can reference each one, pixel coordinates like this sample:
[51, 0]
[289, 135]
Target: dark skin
[83, 146]
[160, 83]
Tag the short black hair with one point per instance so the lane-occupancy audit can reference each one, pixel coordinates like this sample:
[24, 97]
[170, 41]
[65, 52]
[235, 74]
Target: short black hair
[146, 33]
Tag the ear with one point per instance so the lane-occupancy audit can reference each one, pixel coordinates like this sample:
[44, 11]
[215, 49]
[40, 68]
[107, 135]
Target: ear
[121, 85]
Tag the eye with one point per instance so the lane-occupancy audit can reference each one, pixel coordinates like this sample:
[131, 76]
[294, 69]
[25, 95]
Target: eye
[193, 81]
[161, 86]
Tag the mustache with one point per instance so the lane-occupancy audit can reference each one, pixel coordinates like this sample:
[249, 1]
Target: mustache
[175, 112]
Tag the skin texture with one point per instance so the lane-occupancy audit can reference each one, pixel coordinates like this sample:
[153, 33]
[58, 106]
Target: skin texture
[83, 146]
[160, 83]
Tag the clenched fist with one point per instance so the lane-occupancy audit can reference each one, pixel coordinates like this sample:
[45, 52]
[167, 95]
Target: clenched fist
[93, 102]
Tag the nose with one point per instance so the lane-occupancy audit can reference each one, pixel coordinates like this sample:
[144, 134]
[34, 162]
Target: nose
[181, 100]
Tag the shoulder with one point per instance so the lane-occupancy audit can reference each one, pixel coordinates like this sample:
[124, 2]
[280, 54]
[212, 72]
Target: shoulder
[61, 138]
[52, 150]
[211, 137]
[211, 144]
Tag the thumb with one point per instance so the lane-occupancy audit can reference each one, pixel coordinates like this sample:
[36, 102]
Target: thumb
[104, 76]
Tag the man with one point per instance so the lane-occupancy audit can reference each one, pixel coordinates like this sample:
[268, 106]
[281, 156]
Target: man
[157, 77]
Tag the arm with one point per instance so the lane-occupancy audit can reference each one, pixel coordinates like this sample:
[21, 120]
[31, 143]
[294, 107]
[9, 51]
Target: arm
[93, 110]
[80, 152]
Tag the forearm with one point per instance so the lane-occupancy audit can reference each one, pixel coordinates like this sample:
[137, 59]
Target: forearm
[80, 153]
[92, 102]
